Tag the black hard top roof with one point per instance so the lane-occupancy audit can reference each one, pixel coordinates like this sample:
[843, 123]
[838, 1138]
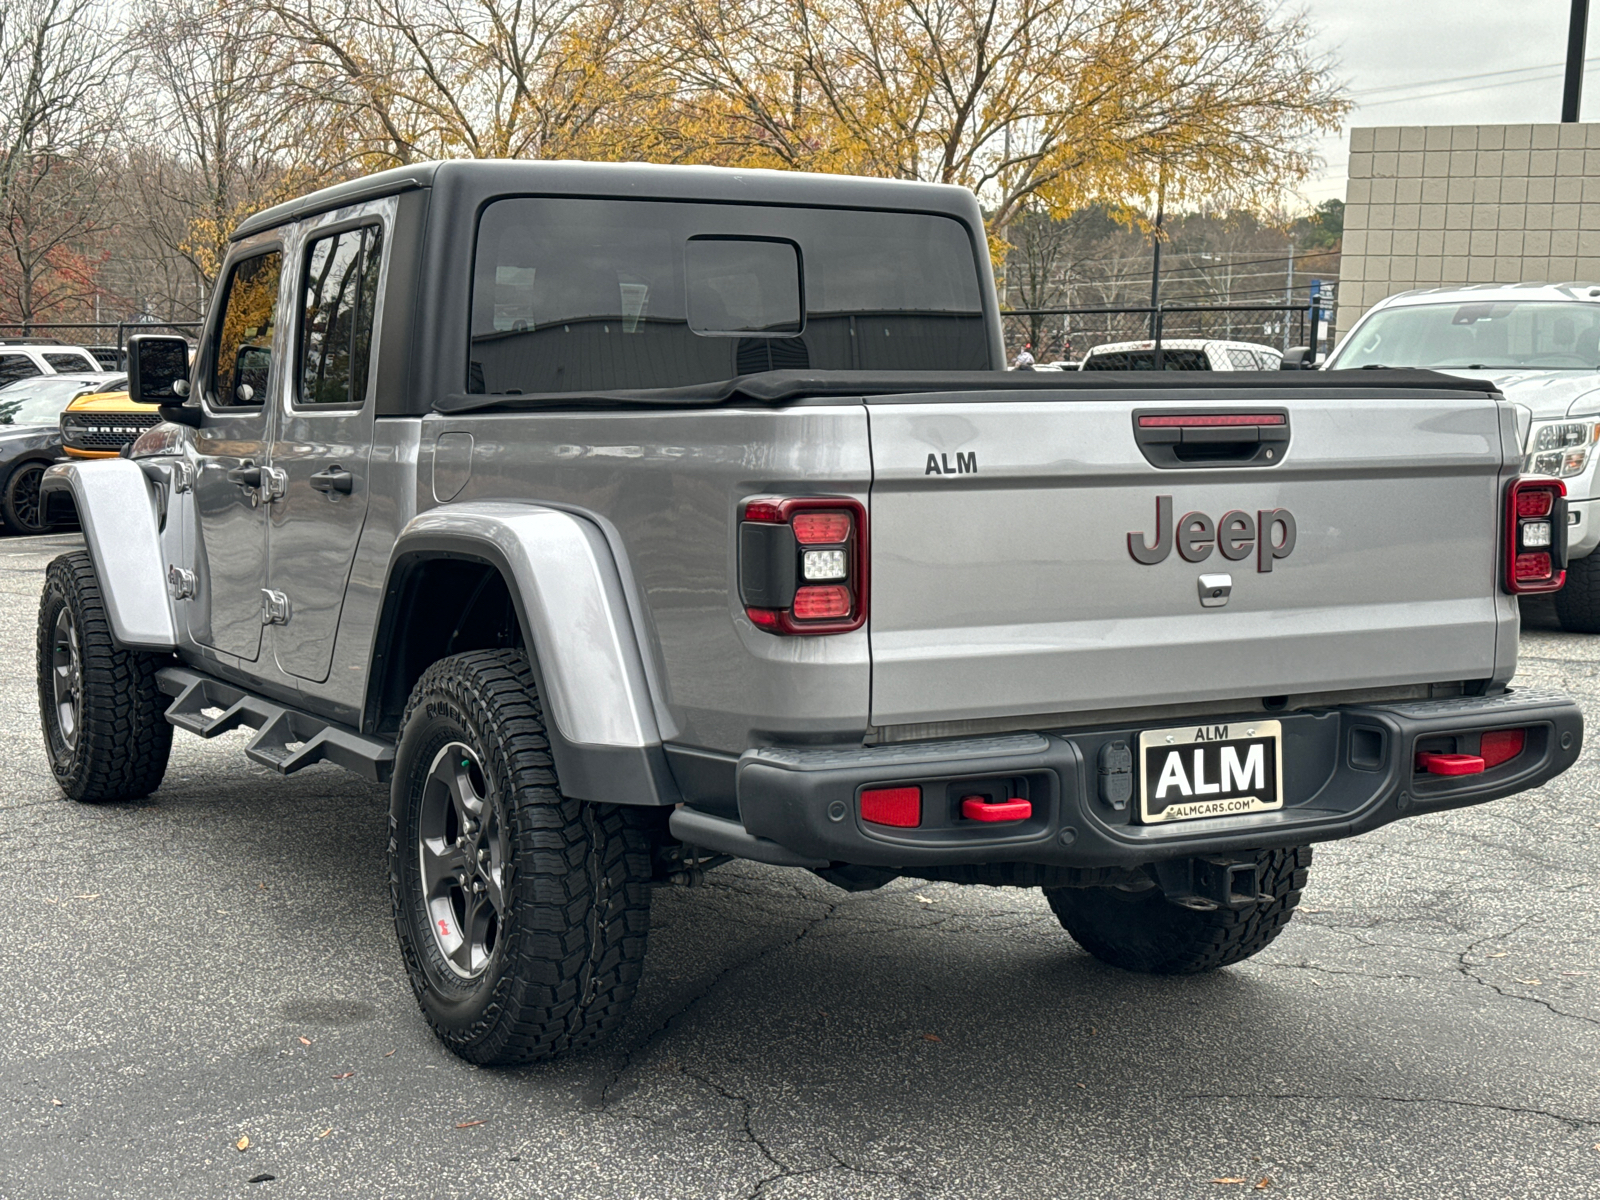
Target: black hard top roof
[778, 387]
[644, 181]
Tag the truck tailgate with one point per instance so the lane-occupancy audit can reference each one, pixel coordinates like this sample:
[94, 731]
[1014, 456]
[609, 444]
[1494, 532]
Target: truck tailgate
[1004, 585]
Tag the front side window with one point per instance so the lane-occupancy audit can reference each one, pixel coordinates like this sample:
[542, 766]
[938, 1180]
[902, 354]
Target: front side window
[338, 302]
[592, 295]
[241, 360]
[17, 366]
[1479, 336]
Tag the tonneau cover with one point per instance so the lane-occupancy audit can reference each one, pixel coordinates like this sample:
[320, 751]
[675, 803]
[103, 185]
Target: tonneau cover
[776, 387]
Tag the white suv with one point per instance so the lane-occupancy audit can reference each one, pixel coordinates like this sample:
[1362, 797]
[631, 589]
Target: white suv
[23, 358]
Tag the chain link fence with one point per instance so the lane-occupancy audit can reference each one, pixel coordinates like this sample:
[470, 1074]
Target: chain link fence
[1070, 333]
[106, 340]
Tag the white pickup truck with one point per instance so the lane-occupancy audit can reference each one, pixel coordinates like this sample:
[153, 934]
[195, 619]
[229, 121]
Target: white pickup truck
[1540, 346]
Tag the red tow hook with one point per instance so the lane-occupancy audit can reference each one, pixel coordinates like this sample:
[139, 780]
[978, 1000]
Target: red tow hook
[978, 808]
[1450, 764]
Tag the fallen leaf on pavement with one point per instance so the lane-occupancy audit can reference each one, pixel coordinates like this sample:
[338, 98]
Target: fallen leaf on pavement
[262, 1178]
[1530, 982]
[1502, 954]
[931, 1037]
[468, 1124]
[325, 1133]
[55, 1104]
[346, 1075]
[1231, 1179]
[1263, 1182]
[925, 899]
[391, 1053]
[242, 1145]
[305, 1041]
[1082, 1085]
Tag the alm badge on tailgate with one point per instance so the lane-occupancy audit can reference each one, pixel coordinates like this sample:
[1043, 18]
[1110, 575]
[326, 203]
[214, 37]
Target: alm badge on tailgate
[1210, 771]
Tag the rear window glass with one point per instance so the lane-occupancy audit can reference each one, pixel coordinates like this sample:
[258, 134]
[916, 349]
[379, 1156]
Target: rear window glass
[587, 295]
[1145, 360]
[17, 366]
[72, 362]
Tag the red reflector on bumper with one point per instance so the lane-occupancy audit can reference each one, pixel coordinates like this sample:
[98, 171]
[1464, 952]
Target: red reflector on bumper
[976, 808]
[1450, 764]
[1501, 745]
[901, 807]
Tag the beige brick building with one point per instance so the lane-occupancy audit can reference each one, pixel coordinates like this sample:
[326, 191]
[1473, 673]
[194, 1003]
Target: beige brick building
[1444, 204]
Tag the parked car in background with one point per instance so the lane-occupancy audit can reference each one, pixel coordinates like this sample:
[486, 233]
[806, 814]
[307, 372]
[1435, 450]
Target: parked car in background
[23, 358]
[1540, 344]
[112, 358]
[30, 440]
[101, 423]
[1182, 354]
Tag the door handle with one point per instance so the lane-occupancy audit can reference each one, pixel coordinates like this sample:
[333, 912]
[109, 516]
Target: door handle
[334, 479]
[246, 476]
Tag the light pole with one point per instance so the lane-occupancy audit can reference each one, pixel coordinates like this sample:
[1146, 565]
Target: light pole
[1577, 39]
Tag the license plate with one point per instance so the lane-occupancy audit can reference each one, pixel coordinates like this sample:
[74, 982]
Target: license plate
[1200, 771]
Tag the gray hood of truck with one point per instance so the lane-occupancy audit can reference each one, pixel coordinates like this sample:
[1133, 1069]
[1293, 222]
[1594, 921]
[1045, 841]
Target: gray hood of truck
[1546, 395]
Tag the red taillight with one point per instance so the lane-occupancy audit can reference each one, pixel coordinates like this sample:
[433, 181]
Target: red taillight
[1535, 502]
[1210, 420]
[821, 528]
[803, 564]
[821, 603]
[901, 807]
[1501, 745]
[1534, 568]
[1535, 535]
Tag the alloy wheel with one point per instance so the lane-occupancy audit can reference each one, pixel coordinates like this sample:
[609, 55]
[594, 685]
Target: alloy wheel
[66, 671]
[461, 850]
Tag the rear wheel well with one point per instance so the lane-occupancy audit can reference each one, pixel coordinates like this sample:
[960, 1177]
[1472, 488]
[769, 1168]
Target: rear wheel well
[436, 605]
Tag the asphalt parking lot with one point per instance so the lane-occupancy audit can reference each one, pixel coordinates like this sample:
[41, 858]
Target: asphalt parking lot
[216, 964]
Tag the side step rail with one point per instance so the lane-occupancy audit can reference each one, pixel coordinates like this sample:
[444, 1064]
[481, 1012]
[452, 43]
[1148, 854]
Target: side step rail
[288, 739]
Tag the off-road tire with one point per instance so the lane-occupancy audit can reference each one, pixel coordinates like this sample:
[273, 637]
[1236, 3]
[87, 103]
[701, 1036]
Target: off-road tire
[574, 879]
[1142, 931]
[120, 746]
[21, 504]
[1578, 601]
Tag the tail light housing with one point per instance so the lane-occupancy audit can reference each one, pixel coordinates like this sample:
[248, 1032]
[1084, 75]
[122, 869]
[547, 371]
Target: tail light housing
[1536, 535]
[803, 564]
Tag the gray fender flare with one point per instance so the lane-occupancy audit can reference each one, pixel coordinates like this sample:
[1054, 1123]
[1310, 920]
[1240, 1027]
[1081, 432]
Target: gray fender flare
[574, 614]
[120, 524]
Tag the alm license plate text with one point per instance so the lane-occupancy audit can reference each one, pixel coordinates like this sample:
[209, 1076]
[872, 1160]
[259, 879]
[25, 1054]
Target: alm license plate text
[1210, 771]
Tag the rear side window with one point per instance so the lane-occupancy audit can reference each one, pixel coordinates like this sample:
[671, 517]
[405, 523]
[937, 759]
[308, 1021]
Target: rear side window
[1145, 360]
[592, 295]
[72, 362]
[338, 302]
[241, 360]
[17, 366]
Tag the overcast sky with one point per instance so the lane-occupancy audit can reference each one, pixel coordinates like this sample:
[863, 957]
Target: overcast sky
[1404, 62]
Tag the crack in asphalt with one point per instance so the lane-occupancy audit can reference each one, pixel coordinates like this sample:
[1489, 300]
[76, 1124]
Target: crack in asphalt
[1465, 968]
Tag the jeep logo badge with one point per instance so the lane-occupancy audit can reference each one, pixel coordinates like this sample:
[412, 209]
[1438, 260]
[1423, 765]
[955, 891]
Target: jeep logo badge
[1270, 534]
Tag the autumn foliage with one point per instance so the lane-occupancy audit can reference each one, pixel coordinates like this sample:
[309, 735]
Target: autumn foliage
[1037, 105]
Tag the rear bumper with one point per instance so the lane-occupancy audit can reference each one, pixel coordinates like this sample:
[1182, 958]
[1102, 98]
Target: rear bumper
[1347, 770]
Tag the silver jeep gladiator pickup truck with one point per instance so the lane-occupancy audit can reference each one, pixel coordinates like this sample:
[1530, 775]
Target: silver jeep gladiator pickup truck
[629, 519]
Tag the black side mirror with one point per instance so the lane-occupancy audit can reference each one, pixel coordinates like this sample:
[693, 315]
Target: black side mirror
[158, 373]
[1298, 358]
